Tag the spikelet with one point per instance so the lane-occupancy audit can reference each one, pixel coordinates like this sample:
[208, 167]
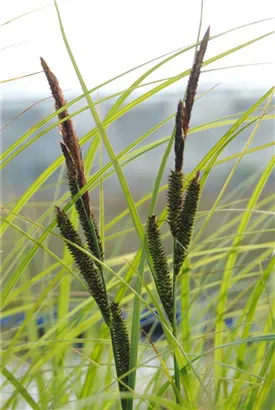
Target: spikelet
[162, 275]
[121, 343]
[187, 219]
[174, 201]
[84, 263]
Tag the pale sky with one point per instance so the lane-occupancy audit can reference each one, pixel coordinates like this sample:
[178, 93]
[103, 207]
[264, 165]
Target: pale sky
[108, 37]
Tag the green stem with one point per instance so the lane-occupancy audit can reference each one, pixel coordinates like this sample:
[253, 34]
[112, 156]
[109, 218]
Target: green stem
[185, 306]
[177, 370]
[174, 327]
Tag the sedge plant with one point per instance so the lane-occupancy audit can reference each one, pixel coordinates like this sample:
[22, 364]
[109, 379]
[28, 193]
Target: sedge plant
[182, 206]
[91, 270]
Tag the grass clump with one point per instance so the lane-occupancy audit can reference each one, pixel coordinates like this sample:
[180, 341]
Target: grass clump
[205, 295]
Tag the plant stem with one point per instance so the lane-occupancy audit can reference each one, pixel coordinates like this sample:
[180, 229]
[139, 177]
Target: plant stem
[185, 307]
[177, 371]
[174, 327]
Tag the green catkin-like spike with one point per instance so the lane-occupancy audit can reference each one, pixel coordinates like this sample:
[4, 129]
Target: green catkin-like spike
[85, 219]
[162, 275]
[84, 263]
[187, 220]
[121, 342]
[174, 201]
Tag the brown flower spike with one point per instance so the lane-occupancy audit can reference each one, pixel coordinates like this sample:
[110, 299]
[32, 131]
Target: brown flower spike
[67, 130]
[75, 168]
[182, 206]
[193, 80]
[184, 108]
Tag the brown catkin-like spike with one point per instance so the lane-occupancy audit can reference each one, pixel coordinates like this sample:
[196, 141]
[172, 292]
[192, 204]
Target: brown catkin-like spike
[67, 131]
[179, 137]
[193, 81]
[94, 243]
[121, 343]
[187, 220]
[162, 275]
[74, 162]
[84, 263]
[174, 201]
